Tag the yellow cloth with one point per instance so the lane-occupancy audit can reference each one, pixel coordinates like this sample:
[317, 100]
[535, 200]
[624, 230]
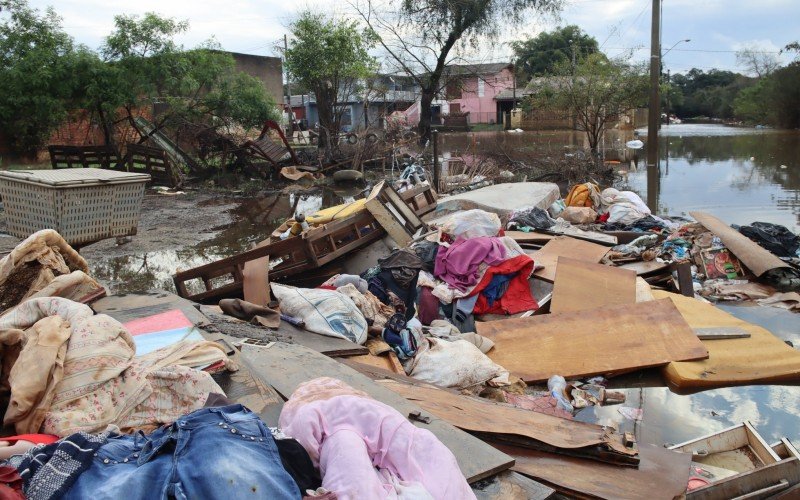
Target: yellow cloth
[761, 358]
[337, 212]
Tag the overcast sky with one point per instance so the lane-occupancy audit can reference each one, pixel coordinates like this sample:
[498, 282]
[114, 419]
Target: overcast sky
[717, 28]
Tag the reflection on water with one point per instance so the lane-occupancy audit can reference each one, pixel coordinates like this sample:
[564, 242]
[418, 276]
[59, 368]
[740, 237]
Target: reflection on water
[740, 175]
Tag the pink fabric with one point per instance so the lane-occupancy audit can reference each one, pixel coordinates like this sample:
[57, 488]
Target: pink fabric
[459, 264]
[348, 434]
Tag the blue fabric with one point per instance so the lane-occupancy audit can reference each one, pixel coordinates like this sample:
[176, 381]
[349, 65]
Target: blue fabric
[402, 343]
[497, 287]
[225, 452]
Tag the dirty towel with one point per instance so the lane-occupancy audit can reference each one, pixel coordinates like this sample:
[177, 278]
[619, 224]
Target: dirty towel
[48, 471]
[76, 286]
[224, 452]
[325, 312]
[69, 370]
[33, 264]
[458, 265]
[254, 313]
[374, 311]
[348, 435]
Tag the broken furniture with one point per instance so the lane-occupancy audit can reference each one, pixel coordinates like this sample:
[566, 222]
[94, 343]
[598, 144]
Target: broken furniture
[83, 157]
[266, 148]
[84, 205]
[154, 162]
[310, 250]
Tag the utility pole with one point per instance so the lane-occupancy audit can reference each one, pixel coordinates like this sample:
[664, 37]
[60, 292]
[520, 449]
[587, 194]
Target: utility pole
[290, 113]
[654, 112]
[669, 89]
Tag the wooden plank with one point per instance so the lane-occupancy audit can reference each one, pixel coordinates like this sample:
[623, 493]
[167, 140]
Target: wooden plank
[604, 341]
[661, 473]
[499, 422]
[130, 306]
[721, 332]
[286, 366]
[750, 481]
[581, 285]
[685, 283]
[255, 278]
[564, 246]
[792, 493]
[510, 485]
[385, 362]
[523, 237]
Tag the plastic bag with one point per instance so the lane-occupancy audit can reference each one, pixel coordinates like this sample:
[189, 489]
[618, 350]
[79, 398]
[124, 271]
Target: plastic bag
[472, 224]
[326, 312]
[579, 215]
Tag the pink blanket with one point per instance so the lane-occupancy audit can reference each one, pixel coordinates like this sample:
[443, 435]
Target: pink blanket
[366, 449]
[459, 264]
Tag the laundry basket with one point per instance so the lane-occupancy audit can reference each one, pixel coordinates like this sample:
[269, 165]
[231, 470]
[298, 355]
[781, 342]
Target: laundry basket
[83, 204]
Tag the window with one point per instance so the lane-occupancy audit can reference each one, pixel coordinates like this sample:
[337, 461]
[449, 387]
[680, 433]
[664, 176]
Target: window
[481, 85]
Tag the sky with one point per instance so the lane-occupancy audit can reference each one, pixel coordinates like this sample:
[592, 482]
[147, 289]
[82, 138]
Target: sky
[716, 28]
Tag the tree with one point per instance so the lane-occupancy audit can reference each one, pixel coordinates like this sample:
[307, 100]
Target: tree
[422, 37]
[756, 61]
[595, 92]
[330, 57]
[539, 56]
[37, 80]
[144, 67]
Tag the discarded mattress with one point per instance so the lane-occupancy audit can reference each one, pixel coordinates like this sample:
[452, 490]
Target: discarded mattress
[336, 213]
[501, 199]
[761, 358]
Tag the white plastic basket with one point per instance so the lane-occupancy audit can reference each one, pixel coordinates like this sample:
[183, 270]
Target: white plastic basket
[83, 204]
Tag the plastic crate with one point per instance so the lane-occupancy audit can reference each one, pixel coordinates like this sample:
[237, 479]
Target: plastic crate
[83, 204]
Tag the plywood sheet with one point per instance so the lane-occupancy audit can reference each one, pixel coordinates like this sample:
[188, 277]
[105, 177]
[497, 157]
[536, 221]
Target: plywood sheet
[756, 258]
[661, 473]
[523, 237]
[604, 341]
[564, 246]
[760, 359]
[508, 423]
[132, 306]
[646, 267]
[581, 285]
[255, 279]
[510, 485]
[285, 366]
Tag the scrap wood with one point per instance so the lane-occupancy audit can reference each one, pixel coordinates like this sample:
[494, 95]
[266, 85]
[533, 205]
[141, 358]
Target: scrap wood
[661, 473]
[566, 247]
[286, 366]
[581, 285]
[133, 306]
[523, 237]
[606, 341]
[756, 258]
[510, 485]
[646, 267]
[255, 278]
[767, 480]
[503, 423]
[762, 358]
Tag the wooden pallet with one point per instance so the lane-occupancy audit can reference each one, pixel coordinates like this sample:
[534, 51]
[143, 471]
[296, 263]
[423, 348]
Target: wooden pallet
[314, 248]
[152, 161]
[83, 157]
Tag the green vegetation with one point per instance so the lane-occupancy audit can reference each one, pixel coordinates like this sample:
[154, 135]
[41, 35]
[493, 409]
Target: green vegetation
[541, 55]
[140, 68]
[330, 57]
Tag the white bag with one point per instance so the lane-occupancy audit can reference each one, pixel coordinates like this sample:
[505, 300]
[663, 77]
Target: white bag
[456, 364]
[326, 312]
[472, 224]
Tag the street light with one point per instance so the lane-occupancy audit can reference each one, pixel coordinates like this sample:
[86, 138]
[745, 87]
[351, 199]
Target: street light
[675, 45]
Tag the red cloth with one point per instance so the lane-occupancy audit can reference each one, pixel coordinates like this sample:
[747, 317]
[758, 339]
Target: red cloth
[33, 438]
[604, 218]
[518, 297]
[10, 484]
[428, 308]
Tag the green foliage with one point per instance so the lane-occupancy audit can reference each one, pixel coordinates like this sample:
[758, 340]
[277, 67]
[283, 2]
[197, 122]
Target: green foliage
[37, 79]
[540, 55]
[749, 103]
[330, 57]
[595, 92]
[709, 93]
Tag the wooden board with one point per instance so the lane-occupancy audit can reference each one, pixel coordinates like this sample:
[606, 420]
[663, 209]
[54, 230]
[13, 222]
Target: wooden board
[505, 423]
[564, 246]
[720, 333]
[510, 485]
[286, 366]
[581, 285]
[646, 267]
[255, 279]
[523, 237]
[605, 341]
[661, 473]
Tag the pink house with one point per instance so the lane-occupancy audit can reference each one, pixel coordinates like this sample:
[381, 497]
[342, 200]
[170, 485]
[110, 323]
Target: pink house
[472, 88]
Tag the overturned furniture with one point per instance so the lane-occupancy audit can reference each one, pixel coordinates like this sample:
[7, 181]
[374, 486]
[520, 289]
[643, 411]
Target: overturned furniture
[154, 162]
[269, 150]
[313, 248]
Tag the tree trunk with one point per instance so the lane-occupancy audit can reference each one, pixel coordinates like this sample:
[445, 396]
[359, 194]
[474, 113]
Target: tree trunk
[108, 128]
[424, 127]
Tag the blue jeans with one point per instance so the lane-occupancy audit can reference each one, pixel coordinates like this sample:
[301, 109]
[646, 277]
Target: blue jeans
[224, 452]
